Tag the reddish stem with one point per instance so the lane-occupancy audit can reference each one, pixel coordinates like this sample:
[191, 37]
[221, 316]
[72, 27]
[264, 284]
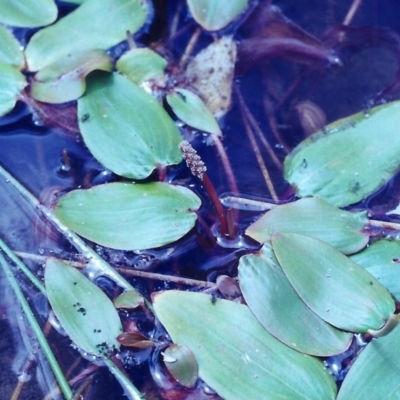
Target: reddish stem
[217, 205]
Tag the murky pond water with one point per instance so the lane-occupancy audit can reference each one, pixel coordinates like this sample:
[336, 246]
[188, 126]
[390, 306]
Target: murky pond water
[49, 160]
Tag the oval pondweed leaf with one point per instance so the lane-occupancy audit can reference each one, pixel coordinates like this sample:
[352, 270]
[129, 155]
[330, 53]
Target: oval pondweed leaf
[214, 15]
[10, 49]
[281, 311]
[141, 65]
[64, 80]
[192, 111]
[129, 216]
[382, 260]
[12, 82]
[348, 160]
[317, 218]
[334, 287]
[129, 300]
[237, 357]
[125, 128]
[93, 25]
[27, 13]
[83, 310]
[375, 372]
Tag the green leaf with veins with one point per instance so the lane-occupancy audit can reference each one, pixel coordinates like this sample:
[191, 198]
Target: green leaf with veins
[125, 128]
[192, 111]
[214, 15]
[237, 357]
[28, 13]
[334, 287]
[10, 49]
[93, 25]
[349, 159]
[12, 82]
[130, 216]
[64, 80]
[314, 217]
[281, 311]
[141, 65]
[85, 313]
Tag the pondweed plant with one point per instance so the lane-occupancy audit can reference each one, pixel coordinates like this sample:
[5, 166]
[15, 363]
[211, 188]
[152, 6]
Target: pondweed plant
[310, 278]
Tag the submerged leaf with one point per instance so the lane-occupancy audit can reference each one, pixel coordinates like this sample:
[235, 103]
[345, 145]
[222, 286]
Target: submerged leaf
[28, 13]
[135, 340]
[281, 311]
[375, 372]
[129, 216]
[141, 65]
[181, 364]
[210, 73]
[86, 314]
[349, 159]
[12, 82]
[334, 287]
[382, 260]
[125, 128]
[237, 357]
[314, 217]
[214, 15]
[93, 25]
[64, 80]
[10, 49]
[192, 111]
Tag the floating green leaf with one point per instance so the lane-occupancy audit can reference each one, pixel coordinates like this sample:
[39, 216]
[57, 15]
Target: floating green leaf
[93, 25]
[125, 128]
[130, 216]
[129, 300]
[86, 314]
[280, 310]
[64, 80]
[382, 260]
[10, 49]
[192, 111]
[141, 65]
[28, 13]
[375, 373]
[314, 217]
[12, 82]
[214, 15]
[237, 357]
[181, 364]
[349, 159]
[334, 287]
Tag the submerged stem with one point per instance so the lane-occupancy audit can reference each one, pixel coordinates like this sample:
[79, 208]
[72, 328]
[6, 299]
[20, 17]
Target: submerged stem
[62, 381]
[189, 48]
[126, 271]
[256, 149]
[226, 164]
[131, 392]
[390, 324]
[28, 273]
[217, 204]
